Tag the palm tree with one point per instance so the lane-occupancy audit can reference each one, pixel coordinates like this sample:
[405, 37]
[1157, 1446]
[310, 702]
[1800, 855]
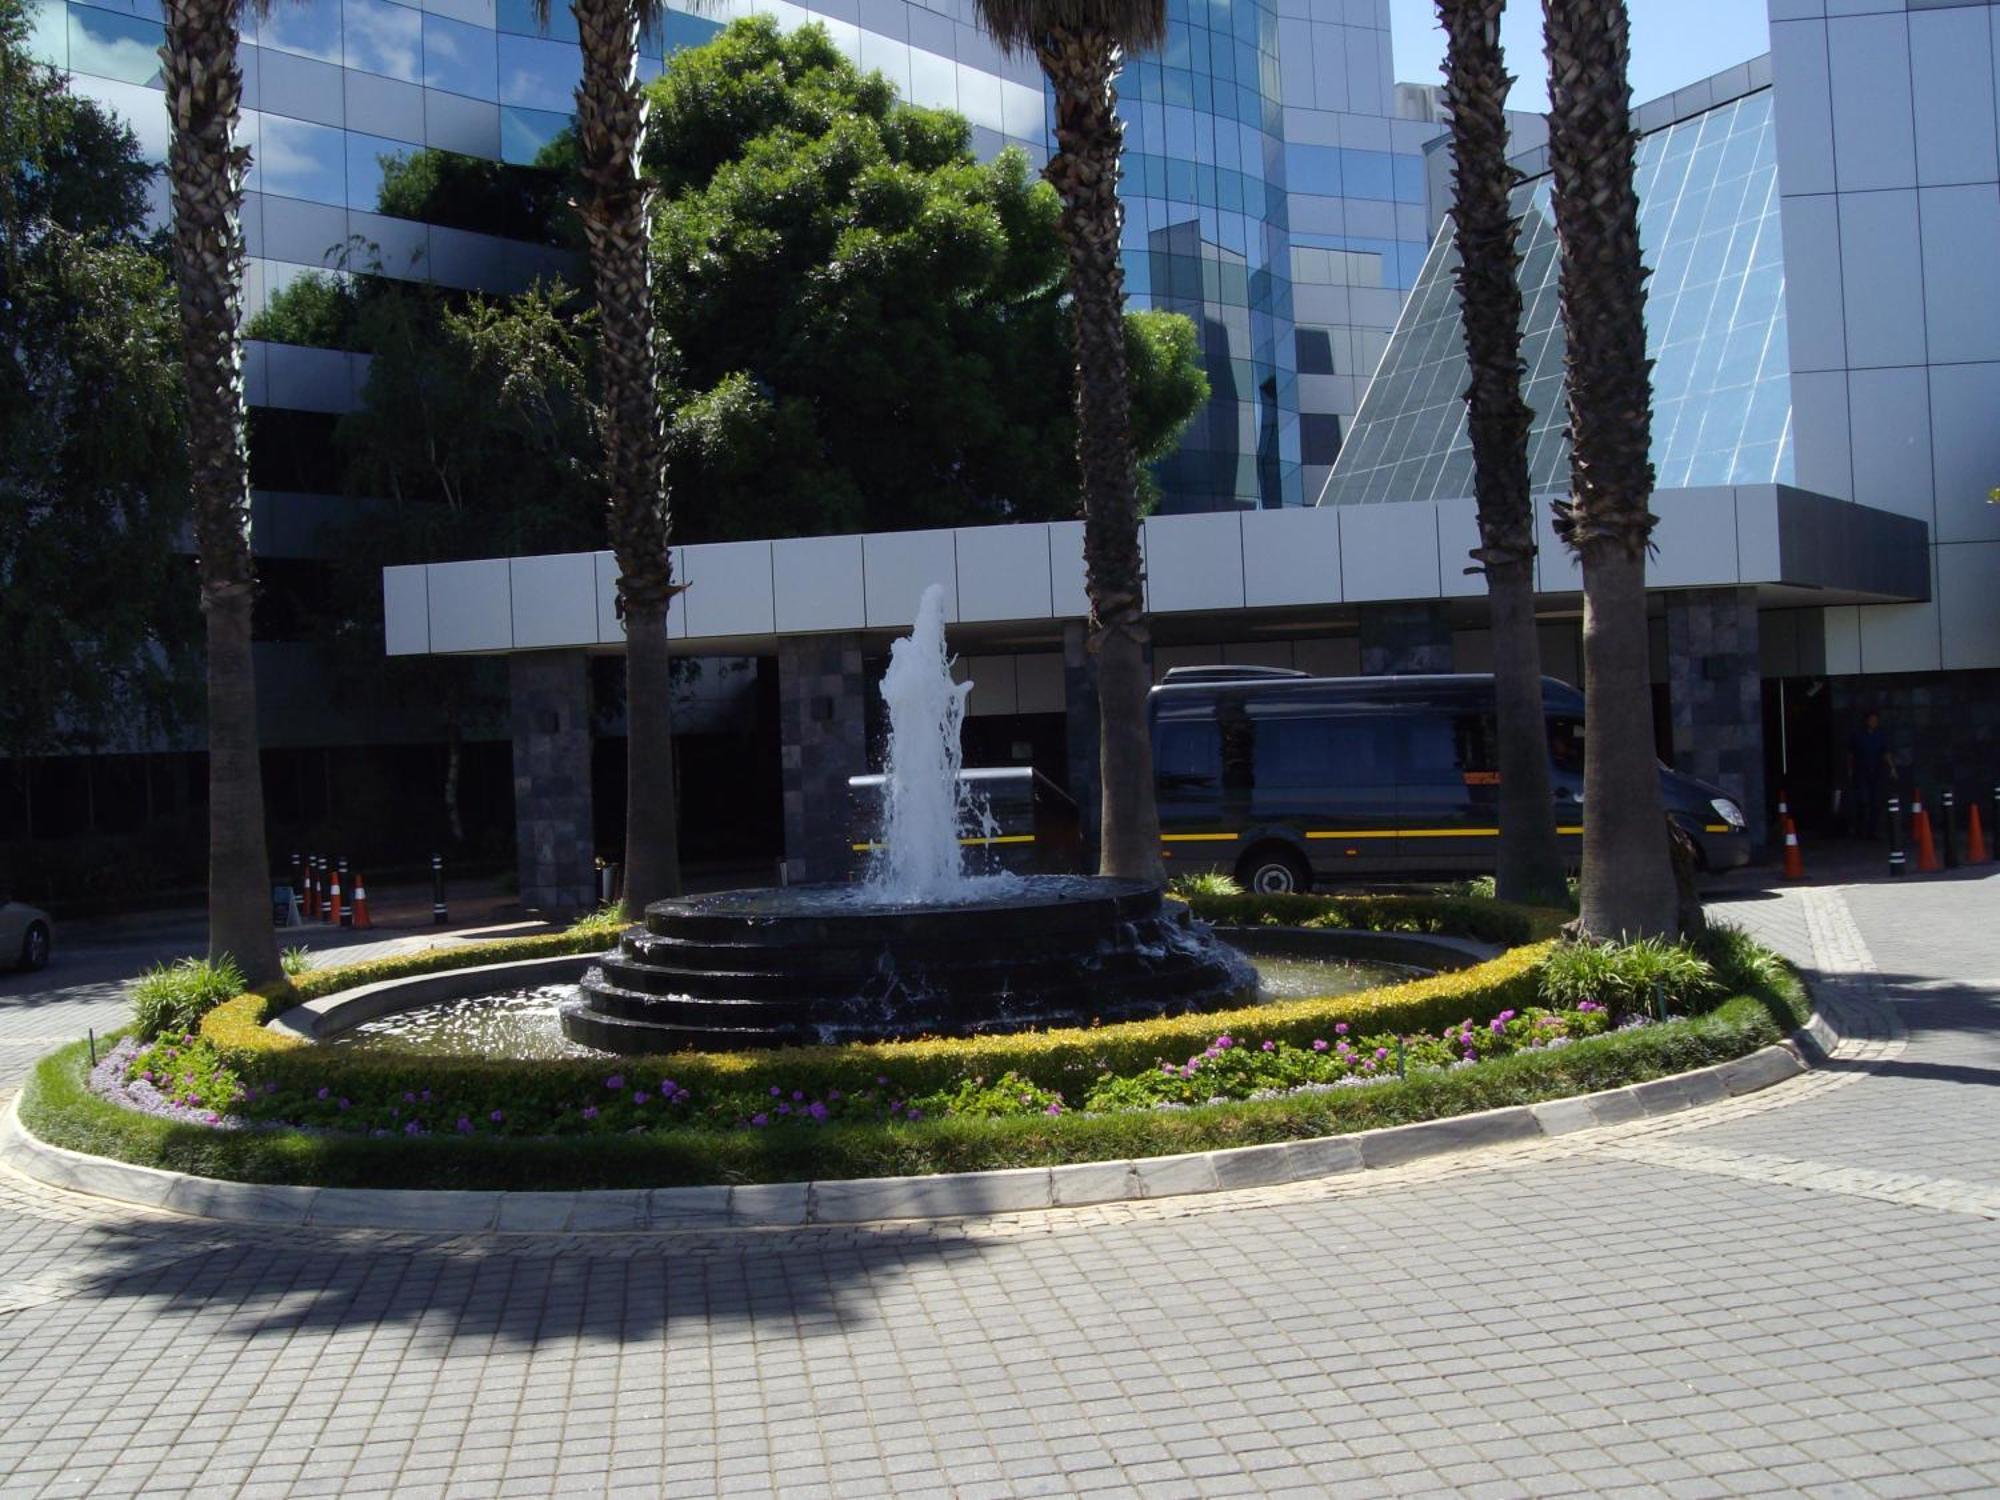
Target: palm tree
[1628, 878]
[205, 170]
[611, 133]
[1081, 46]
[1475, 92]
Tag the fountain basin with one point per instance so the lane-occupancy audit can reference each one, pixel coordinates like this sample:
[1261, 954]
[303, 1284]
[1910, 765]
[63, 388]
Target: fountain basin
[831, 963]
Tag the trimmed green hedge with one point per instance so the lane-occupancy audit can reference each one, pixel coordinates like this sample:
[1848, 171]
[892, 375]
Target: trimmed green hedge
[59, 1108]
[1488, 921]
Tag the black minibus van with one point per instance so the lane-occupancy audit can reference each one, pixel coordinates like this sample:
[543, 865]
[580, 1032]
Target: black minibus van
[1284, 779]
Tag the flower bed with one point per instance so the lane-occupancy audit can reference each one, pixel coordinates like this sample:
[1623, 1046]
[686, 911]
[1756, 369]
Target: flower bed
[1448, 1044]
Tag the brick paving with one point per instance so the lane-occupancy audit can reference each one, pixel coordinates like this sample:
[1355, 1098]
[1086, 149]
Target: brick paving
[1795, 1291]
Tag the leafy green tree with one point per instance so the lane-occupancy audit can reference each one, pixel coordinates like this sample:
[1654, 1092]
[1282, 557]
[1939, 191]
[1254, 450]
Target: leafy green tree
[95, 609]
[868, 326]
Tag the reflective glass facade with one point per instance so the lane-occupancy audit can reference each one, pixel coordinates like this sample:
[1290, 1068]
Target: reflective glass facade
[1715, 322]
[1243, 173]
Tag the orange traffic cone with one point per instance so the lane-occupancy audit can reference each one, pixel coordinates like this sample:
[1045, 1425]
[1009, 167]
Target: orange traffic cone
[1975, 839]
[333, 899]
[1927, 859]
[1795, 864]
[361, 900]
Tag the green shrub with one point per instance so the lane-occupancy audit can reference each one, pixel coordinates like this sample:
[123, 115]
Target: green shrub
[606, 923]
[1206, 883]
[171, 999]
[295, 961]
[1456, 916]
[191, 1074]
[1741, 965]
[1629, 977]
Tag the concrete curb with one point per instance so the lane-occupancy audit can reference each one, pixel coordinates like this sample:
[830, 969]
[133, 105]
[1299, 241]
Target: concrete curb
[784, 1205]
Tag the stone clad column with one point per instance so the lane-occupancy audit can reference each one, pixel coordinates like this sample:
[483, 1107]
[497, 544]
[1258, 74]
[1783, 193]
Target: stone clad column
[550, 717]
[822, 727]
[1405, 638]
[1716, 696]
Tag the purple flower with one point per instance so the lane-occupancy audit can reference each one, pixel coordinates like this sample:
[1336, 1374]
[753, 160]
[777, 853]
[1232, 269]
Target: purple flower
[881, 1081]
[817, 1110]
[590, 1111]
[798, 1096]
[345, 1105]
[760, 1119]
[916, 1114]
[615, 1081]
[784, 1109]
[1225, 1042]
[776, 1092]
[1270, 1046]
[496, 1117]
[1381, 1053]
[833, 1096]
[413, 1128]
[640, 1097]
[409, 1098]
[1496, 1025]
[1319, 1044]
[425, 1096]
[464, 1125]
[682, 1097]
[322, 1093]
[1340, 1028]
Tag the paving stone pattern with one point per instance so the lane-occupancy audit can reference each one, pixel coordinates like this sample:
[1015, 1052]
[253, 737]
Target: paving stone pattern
[1793, 1291]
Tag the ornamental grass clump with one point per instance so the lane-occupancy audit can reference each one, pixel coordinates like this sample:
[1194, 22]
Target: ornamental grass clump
[171, 999]
[1630, 978]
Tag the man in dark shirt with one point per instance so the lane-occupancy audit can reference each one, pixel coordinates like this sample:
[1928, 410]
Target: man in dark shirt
[1870, 769]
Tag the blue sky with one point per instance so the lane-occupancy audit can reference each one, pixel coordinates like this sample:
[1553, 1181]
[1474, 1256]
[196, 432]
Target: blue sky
[1674, 42]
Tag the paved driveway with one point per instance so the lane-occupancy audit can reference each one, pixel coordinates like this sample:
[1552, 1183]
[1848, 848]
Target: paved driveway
[1798, 1291]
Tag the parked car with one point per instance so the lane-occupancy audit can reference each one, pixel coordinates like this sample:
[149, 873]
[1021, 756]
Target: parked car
[25, 934]
[1284, 779]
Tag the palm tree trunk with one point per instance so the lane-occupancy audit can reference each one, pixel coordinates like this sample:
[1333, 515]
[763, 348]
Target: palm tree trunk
[1083, 66]
[1628, 879]
[611, 131]
[1529, 867]
[205, 170]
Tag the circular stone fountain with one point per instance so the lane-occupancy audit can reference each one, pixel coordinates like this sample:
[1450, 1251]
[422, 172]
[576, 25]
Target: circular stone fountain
[918, 948]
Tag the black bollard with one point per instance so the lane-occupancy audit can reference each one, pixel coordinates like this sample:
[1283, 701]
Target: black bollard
[438, 912]
[1950, 840]
[1895, 835]
[346, 895]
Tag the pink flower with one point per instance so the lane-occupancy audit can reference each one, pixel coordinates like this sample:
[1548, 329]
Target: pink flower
[1270, 1046]
[1340, 1028]
[1319, 1044]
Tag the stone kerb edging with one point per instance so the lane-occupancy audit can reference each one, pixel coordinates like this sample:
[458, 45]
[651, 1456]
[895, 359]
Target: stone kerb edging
[874, 1199]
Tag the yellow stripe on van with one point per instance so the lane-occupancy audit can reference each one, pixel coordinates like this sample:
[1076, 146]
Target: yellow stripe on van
[1351, 833]
[1577, 829]
[1199, 838]
[1715, 828]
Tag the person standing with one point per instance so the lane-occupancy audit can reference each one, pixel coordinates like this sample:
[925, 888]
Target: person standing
[1871, 772]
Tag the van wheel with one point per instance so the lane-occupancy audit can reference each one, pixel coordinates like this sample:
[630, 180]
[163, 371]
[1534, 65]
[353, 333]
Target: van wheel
[1274, 870]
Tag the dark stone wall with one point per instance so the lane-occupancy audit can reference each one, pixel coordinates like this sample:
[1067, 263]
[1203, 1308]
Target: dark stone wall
[1715, 694]
[823, 740]
[1403, 638]
[549, 713]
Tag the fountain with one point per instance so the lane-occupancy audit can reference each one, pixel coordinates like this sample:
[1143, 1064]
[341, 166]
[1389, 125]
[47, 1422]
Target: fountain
[919, 947]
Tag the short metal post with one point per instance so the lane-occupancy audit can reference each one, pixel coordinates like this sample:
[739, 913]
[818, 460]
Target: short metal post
[1659, 1003]
[93, 1045]
[1402, 1069]
[1950, 842]
[1896, 861]
[438, 913]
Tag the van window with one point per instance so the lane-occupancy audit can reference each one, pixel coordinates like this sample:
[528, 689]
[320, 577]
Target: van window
[1450, 749]
[1325, 752]
[1187, 753]
[1566, 744]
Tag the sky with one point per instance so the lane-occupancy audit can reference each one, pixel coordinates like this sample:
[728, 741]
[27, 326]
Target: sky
[1674, 42]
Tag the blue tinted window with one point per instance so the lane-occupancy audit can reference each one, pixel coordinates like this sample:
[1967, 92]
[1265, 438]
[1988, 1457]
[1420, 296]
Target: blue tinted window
[526, 133]
[539, 74]
[384, 38]
[114, 46]
[295, 160]
[311, 29]
[518, 17]
[459, 58]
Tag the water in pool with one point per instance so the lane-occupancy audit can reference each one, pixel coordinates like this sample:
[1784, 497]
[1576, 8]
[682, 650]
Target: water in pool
[522, 1023]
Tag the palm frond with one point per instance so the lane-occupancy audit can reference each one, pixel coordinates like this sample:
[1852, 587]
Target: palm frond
[1016, 24]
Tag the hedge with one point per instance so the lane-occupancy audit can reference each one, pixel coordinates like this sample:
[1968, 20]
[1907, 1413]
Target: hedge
[58, 1107]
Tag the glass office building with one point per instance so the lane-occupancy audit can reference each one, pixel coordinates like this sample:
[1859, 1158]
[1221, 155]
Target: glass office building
[1262, 156]
[1715, 323]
